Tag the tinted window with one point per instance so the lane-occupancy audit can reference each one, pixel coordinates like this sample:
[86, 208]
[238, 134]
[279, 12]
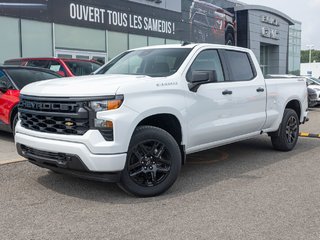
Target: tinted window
[150, 62]
[207, 60]
[4, 80]
[240, 66]
[82, 68]
[22, 77]
[13, 62]
[39, 63]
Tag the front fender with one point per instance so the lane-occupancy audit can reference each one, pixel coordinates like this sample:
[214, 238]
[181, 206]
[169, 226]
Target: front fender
[156, 111]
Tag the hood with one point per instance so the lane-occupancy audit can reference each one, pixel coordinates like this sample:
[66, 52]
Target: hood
[315, 87]
[85, 86]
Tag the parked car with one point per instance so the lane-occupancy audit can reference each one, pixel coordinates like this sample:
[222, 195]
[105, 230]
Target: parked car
[135, 121]
[313, 96]
[65, 67]
[314, 92]
[12, 80]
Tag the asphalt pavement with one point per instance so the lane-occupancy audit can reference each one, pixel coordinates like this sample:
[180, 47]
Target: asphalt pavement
[244, 190]
[8, 153]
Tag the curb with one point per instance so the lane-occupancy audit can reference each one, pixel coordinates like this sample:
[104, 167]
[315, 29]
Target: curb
[6, 162]
[310, 135]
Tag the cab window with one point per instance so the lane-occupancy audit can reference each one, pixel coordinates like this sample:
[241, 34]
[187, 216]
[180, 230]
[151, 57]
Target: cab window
[240, 66]
[4, 80]
[207, 60]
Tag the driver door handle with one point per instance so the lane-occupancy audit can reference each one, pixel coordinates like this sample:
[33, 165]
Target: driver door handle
[227, 92]
[260, 89]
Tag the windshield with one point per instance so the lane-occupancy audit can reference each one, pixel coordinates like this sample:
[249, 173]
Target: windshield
[150, 62]
[22, 77]
[79, 68]
[314, 81]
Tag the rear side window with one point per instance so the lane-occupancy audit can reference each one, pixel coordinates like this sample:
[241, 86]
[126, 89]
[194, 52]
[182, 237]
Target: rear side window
[240, 66]
[39, 63]
[4, 80]
[82, 68]
[22, 77]
[13, 62]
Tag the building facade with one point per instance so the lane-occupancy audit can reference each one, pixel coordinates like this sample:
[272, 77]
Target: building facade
[99, 29]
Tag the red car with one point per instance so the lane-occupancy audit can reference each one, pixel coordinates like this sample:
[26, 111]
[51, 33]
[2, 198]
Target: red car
[65, 67]
[12, 80]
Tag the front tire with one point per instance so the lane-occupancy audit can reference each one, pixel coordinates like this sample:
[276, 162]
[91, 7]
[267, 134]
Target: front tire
[153, 162]
[288, 134]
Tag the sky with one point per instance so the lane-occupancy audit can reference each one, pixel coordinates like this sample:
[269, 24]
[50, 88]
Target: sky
[305, 11]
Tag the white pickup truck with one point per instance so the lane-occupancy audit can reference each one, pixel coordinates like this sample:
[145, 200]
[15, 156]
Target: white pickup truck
[135, 121]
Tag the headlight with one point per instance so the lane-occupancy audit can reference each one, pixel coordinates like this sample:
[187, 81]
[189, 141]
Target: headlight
[105, 105]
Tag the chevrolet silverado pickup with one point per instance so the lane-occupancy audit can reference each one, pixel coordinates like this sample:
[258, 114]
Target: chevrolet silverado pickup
[135, 121]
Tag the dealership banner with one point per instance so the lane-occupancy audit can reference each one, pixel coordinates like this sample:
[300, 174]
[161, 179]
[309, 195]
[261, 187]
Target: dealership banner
[198, 21]
[117, 15]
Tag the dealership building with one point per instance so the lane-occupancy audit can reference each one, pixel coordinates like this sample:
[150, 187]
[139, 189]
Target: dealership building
[99, 29]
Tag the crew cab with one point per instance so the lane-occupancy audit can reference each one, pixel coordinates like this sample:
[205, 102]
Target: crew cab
[137, 118]
[12, 80]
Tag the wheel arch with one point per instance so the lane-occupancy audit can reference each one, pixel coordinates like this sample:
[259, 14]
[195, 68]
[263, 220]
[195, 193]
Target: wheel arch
[168, 122]
[295, 105]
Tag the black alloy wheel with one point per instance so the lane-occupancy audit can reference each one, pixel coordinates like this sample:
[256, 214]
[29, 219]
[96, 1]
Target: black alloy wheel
[287, 136]
[291, 129]
[149, 163]
[153, 162]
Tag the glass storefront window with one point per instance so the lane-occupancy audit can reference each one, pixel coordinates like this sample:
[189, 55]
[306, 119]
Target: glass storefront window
[117, 42]
[69, 37]
[136, 41]
[9, 42]
[155, 41]
[294, 49]
[172, 41]
[36, 39]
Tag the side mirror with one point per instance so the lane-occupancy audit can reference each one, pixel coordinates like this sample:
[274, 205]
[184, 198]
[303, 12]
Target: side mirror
[3, 87]
[61, 73]
[201, 77]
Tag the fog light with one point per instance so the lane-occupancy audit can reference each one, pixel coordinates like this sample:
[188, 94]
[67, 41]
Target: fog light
[99, 123]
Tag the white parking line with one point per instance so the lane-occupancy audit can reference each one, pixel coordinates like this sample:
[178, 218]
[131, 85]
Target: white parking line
[5, 162]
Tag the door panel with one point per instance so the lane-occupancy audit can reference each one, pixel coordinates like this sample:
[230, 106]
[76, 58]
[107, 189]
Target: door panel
[224, 110]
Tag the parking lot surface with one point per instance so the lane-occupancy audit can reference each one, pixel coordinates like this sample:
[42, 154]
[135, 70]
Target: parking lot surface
[244, 190]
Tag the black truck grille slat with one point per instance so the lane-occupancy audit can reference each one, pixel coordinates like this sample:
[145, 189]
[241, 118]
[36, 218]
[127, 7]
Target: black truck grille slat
[54, 117]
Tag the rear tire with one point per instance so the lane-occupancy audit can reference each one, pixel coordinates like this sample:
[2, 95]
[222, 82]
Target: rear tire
[153, 162]
[288, 134]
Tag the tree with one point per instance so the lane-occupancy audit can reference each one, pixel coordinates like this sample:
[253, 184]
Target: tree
[315, 56]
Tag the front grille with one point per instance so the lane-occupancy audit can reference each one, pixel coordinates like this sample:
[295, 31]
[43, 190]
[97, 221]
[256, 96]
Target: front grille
[59, 116]
[59, 125]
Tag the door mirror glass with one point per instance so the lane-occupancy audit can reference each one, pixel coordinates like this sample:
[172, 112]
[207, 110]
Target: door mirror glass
[203, 76]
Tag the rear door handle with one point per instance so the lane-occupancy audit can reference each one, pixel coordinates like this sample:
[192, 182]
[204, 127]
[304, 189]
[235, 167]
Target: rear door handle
[260, 89]
[227, 92]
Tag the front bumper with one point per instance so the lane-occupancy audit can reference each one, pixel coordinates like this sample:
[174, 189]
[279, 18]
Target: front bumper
[92, 162]
[67, 164]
